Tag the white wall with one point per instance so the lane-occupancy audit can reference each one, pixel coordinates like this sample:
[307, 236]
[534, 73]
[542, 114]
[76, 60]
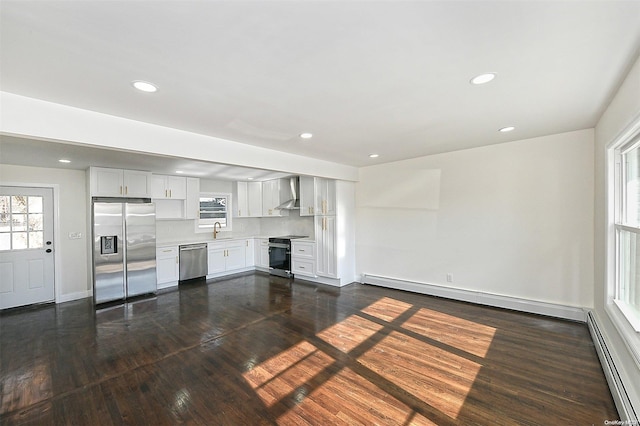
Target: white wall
[621, 113]
[72, 215]
[514, 219]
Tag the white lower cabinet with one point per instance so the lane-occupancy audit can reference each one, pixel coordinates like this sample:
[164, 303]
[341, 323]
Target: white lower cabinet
[303, 258]
[167, 266]
[226, 256]
[250, 252]
[262, 253]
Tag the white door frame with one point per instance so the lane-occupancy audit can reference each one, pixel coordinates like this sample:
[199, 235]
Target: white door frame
[56, 229]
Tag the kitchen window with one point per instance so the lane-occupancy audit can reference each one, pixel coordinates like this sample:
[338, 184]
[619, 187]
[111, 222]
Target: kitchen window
[214, 207]
[626, 211]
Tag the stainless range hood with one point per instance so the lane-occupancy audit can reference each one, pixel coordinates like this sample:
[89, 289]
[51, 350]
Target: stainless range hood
[294, 202]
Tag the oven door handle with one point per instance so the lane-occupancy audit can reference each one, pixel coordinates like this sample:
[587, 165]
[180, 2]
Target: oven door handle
[278, 245]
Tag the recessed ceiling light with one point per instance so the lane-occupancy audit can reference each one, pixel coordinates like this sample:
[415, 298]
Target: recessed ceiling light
[62, 160]
[179, 172]
[145, 86]
[374, 155]
[249, 178]
[483, 78]
[306, 135]
[507, 129]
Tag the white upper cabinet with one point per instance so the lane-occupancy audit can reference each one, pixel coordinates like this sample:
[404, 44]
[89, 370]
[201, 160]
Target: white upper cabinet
[168, 187]
[325, 196]
[248, 199]
[107, 182]
[307, 196]
[274, 193]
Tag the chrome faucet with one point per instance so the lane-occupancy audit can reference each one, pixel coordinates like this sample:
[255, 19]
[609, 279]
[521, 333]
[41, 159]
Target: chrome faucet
[215, 233]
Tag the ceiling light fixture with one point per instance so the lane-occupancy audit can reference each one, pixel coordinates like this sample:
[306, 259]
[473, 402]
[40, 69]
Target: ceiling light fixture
[62, 160]
[374, 155]
[145, 86]
[306, 135]
[179, 172]
[249, 178]
[507, 129]
[483, 78]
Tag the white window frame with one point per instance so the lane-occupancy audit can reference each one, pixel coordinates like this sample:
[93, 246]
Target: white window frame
[625, 322]
[206, 225]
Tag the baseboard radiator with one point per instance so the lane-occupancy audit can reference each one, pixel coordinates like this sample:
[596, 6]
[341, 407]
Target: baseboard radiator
[620, 396]
[478, 297]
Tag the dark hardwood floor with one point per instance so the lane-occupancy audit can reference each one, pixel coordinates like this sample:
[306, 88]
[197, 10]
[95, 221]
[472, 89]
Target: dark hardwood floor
[257, 349]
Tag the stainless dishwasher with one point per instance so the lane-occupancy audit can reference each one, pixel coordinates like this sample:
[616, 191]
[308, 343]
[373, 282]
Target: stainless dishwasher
[193, 261]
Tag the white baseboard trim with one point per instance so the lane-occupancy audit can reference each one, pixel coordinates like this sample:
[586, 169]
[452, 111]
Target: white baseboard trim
[74, 296]
[628, 413]
[321, 280]
[481, 298]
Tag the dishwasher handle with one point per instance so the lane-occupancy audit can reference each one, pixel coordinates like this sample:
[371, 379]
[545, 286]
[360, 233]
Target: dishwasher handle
[193, 247]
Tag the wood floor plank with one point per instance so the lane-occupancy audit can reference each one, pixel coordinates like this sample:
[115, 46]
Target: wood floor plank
[261, 350]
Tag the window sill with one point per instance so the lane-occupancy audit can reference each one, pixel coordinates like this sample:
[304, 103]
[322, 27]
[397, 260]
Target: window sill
[629, 335]
[629, 313]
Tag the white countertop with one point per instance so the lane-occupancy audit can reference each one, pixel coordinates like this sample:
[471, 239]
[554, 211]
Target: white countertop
[219, 240]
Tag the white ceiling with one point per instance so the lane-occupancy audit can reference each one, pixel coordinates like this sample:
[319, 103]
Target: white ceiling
[386, 77]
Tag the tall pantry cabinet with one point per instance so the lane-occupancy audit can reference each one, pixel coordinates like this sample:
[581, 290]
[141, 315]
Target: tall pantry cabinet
[335, 230]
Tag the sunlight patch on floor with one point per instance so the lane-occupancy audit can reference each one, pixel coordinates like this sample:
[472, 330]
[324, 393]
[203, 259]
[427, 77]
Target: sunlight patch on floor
[433, 375]
[349, 333]
[386, 309]
[283, 374]
[462, 334]
[353, 400]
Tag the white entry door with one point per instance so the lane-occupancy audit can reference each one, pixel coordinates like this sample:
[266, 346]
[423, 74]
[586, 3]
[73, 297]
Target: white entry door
[26, 246]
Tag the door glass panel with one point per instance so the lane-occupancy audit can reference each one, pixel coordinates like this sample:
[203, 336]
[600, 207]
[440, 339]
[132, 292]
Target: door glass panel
[35, 222]
[5, 225]
[19, 222]
[36, 239]
[19, 240]
[19, 204]
[5, 241]
[35, 204]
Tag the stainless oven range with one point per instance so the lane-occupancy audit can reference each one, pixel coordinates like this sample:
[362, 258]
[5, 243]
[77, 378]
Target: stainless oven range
[280, 255]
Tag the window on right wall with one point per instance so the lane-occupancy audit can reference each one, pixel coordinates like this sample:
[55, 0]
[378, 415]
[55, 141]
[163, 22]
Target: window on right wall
[626, 294]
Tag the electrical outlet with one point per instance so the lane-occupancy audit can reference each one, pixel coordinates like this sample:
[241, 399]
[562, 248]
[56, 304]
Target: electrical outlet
[449, 277]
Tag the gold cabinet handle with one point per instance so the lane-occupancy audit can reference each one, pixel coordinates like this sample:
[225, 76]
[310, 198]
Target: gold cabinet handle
[120, 189]
[170, 194]
[126, 190]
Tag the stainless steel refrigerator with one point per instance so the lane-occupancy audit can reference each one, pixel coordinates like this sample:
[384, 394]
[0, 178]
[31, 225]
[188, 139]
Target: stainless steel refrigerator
[124, 248]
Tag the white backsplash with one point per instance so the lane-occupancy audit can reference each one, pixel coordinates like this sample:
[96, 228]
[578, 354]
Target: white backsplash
[179, 231]
[288, 225]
